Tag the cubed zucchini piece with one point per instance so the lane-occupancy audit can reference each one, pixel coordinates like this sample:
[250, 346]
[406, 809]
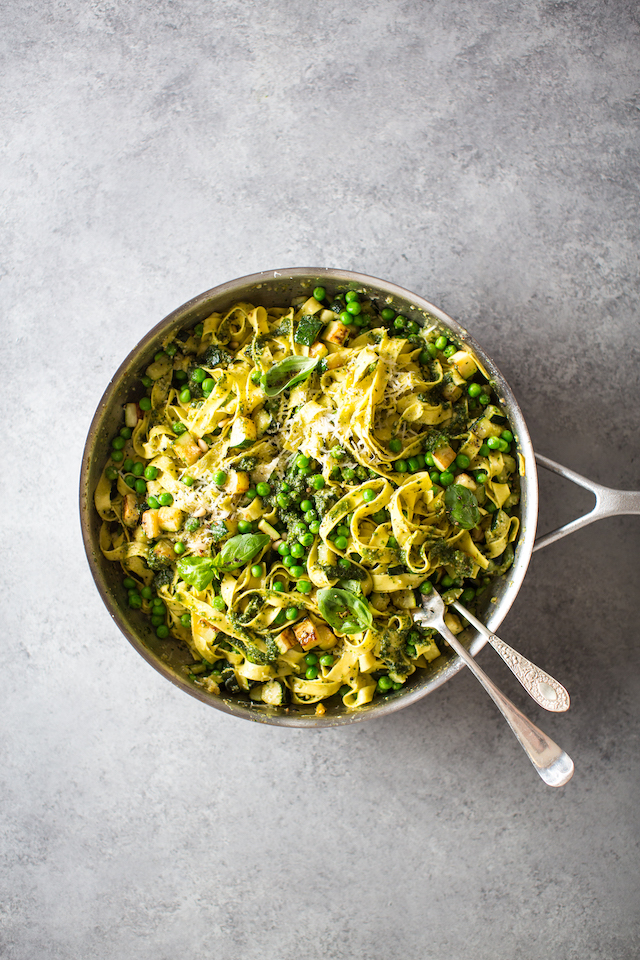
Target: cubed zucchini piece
[187, 448]
[335, 332]
[170, 519]
[243, 432]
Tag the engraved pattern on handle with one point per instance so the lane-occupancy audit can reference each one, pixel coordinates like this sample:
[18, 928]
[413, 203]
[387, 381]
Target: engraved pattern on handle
[532, 678]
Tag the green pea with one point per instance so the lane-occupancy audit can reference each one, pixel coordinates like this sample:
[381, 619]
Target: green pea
[263, 489]
[314, 526]
[307, 539]
[401, 466]
[185, 395]
[127, 465]
[219, 478]
[162, 632]
[257, 570]
[111, 473]
[432, 350]
[490, 506]
[297, 550]
[481, 477]
[208, 385]
[354, 308]
[483, 451]
[140, 486]
[441, 343]
[255, 376]
[138, 469]
[392, 543]
[304, 586]
[399, 322]
[135, 601]
[291, 613]
[151, 473]
[435, 476]
[179, 375]
[188, 481]
[326, 660]
[396, 686]
[379, 517]
[388, 314]
[146, 593]
[467, 595]
[449, 351]
[345, 317]
[446, 478]
[160, 355]
[344, 564]
[165, 499]
[493, 443]
[484, 399]
[146, 382]
[319, 293]
[369, 495]
[348, 474]
[192, 524]
[351, 296]
[413, 464]
[158, 604]
[306, 505]
[251, 494]
[199, 375]
[507, 435]
[157, 620]
[463, 461]
[245, 526]
[130, 481]
[311, 659]
[385, 683]
[312, 672]
[218, 603]
[344, 690]
[278, 586]
[171, 349]
[395, 445]
[343, 530]
[424, 357]
[179, 428]
[284, 549]
[317, 482]
[129, 583]
[179, 548]
[302, 461]
[289, 561]
[118, 443]
[426, 588]
[412, 326]
[153, 502]
[503, 446]
[144, 403]
[341, 543]
[447, 581]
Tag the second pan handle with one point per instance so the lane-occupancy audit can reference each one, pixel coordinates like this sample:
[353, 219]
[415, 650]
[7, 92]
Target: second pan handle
[609, 502]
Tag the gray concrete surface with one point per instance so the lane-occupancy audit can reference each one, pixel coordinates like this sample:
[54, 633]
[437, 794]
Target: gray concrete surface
[482, 154]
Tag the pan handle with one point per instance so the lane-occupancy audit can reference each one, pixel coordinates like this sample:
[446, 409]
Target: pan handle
[609, 502]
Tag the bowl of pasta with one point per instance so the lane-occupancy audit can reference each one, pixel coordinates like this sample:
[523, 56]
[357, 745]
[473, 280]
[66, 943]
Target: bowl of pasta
[280, 470]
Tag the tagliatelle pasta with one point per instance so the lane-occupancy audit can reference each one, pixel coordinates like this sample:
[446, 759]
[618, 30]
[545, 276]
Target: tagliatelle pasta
[290, 482]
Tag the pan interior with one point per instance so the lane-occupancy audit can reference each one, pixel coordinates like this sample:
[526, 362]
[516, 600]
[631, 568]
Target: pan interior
[272, 288]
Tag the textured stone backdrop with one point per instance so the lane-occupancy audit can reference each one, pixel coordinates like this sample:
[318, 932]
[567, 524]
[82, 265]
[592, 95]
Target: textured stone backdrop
[484, 155]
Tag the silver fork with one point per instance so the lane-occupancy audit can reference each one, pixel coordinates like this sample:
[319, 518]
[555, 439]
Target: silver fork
[551, 763]
[540, 685]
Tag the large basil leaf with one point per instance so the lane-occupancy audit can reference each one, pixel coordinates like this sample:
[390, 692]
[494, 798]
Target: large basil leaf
[286, 374]
[198, 572]
[239, 550]
[462, 506]
[344, 611]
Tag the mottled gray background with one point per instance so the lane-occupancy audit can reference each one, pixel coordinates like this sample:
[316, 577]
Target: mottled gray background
[483, 154]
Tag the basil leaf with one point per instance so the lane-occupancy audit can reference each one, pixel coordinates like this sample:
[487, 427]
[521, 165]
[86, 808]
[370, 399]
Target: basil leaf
[344, 611]
[462, 506]
[198, 572]
[238, 550]
[285, 374]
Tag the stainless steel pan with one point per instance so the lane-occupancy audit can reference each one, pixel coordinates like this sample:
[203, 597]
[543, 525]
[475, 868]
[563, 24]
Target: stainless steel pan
[277, 287]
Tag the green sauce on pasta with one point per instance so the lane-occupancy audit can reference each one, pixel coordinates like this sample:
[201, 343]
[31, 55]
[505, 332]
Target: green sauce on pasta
[290, 482]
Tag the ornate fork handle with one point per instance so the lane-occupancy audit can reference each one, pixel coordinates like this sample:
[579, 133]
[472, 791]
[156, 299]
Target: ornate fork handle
[543, 688]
